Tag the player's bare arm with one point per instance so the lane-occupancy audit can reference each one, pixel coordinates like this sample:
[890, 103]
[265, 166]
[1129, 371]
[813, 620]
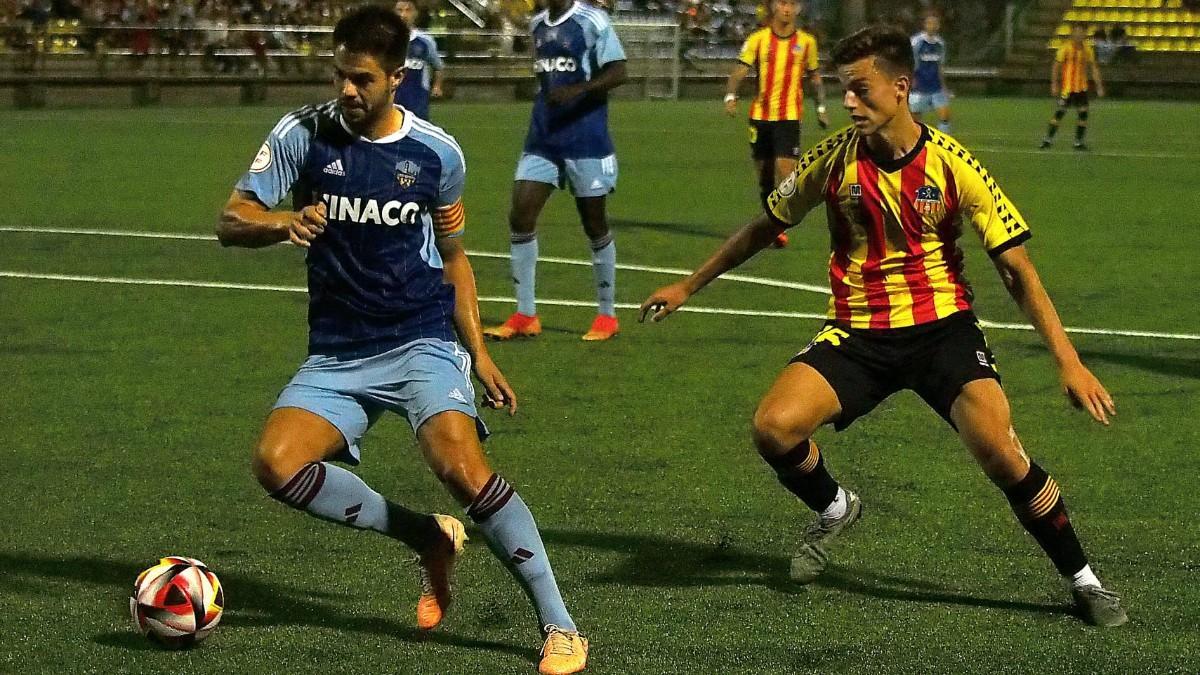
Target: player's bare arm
[743, 245]
[1025, 286]
[1055, 69]
[439, 79]
[611, 76]
[740, 72]
[246, 222]
[458, 273]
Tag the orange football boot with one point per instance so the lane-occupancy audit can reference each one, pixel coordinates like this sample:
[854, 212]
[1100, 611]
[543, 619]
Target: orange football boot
[603, 328]
[437, 567]
[565, 652]
[518, 325]
[781, 241]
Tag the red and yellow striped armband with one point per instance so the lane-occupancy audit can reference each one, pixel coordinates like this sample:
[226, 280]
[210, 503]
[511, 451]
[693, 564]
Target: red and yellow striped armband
[449, 221]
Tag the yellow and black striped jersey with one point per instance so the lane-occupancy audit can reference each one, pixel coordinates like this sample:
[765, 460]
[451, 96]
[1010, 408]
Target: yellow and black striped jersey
[780, 63]
[1075, 60]
[894, 225]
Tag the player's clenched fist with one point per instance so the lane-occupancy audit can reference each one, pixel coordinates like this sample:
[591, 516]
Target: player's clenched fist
[308, 223]
[664, 301]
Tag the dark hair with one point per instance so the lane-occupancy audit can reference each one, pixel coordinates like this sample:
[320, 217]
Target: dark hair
[890, 47]
[374, 30]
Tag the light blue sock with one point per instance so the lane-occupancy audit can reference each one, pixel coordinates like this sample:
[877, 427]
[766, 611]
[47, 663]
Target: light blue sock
[944, 127]
[604, 269]
[512, 535]
[524, 248]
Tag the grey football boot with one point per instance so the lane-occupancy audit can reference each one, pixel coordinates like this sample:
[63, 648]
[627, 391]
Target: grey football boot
[1099, 607]
[813, 556]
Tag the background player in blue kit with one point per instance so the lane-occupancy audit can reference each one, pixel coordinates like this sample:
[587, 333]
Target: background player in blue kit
[424, 72]
[377, 193]
[929, 83]
[578, 61]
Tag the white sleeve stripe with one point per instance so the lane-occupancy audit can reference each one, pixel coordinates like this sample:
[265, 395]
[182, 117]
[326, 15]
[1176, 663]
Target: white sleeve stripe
[429, 129]
[598, 22]
[283, 121]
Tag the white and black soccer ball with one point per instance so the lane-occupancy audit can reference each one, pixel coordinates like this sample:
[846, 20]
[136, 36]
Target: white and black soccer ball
[177, 603]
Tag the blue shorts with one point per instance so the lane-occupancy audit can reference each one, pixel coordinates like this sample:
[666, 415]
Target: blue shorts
[591, 177]
[418, 380]
[923, 102]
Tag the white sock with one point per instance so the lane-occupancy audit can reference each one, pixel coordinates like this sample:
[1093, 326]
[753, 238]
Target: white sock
[838, 508]
[604, 270]
[1085, 577]
[524, 249]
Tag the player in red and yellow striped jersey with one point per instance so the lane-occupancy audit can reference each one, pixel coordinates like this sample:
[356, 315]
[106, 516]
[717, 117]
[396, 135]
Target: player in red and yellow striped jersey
[1069, 84]
[898, 196]
[781, 55]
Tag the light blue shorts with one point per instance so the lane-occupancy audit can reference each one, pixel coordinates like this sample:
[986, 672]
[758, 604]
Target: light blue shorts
[418, 380]
[921, 102]
[593, 177]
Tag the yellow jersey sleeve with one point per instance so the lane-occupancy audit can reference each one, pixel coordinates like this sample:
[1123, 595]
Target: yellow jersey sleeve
[982, 203]
[812, 63]
[1089, 54]
[749, 55]
[1061, 55]
[804, 188]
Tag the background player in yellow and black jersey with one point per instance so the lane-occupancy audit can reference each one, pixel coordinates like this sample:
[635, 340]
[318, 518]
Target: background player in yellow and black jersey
[1069, 84]
[781, 56]
[898, 196]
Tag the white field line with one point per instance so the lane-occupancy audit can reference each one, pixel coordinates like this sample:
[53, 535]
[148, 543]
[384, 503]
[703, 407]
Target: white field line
[139, 234]
[553, 302]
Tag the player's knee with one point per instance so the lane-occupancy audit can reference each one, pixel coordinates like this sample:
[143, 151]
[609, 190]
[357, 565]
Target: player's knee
[272, 465]
[520, 222]
[777, 430]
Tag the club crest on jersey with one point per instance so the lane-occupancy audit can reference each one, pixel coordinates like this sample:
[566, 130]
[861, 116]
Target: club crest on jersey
[407, 172]
[928, 200]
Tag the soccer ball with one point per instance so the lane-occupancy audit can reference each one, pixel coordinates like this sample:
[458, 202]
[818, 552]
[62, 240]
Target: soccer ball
[177, 603]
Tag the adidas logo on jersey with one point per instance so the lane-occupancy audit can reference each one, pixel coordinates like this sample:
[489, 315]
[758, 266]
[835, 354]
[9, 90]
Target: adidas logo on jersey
[457, 395]
[334, 168]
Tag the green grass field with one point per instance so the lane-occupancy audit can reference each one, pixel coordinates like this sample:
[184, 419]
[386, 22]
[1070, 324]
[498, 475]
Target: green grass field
[129, 412]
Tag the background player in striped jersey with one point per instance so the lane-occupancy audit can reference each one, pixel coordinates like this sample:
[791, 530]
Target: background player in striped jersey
[378, 199]
[929, 81]
[424, 73]
[897, 194]
[1069, 84]
[782, 56]
[578, 60]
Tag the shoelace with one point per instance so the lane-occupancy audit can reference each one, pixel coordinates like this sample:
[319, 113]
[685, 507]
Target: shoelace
[1112, 600]
[559, 642]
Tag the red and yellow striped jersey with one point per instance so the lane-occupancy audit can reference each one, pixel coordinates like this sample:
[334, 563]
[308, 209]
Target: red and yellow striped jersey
[894, 225]
[1075, 61]
[780, 63]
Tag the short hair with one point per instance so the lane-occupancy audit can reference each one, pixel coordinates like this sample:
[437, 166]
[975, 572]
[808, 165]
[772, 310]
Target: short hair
[888, 45]
[374, 30]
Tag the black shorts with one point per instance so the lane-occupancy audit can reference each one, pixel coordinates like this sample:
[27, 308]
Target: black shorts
[935, 360]
[1077, 100]
[769, 140]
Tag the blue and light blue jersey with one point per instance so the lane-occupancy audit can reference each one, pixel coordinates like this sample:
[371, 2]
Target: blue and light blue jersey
[929, 54]
[374, 275]
[570, 50]
[423, 60]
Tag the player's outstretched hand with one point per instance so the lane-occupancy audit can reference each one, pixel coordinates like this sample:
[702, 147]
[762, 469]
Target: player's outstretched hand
[307, 224]
[1100, 91]
[731, 107]
[1085, 391]
[664, 301]
[436, 91]
[497, 392]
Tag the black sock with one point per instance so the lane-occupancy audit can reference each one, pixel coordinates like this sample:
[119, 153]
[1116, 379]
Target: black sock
[418, 530]
[1039, 506]
[1081, 126]
[1058, 115]
[802, 471]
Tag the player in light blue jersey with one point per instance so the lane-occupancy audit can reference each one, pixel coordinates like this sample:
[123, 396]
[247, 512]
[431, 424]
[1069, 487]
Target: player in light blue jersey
[578, 60]
[393, 324]
[929, 83]
[423, 70]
